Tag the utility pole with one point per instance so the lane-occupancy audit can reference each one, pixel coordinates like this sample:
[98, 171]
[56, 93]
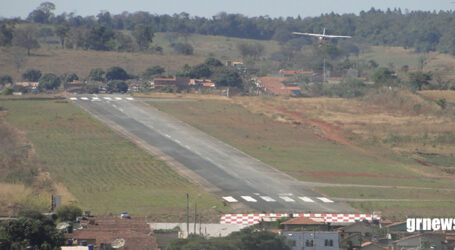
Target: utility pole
[187, 214]
[323, 70]
[195, 217]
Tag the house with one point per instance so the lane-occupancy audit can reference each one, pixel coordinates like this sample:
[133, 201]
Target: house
[32, 85]
[274, 85]
[180, 82]
[304, 223]
[372, 246]
[201, 83]
[132, 233]
[351, 240]
[365, 228]
[317, 240]
[420, 241]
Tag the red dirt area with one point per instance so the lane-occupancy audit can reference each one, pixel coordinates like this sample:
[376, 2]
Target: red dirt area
[370, 175]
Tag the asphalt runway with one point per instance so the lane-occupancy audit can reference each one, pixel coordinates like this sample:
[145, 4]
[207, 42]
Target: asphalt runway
[238, 178]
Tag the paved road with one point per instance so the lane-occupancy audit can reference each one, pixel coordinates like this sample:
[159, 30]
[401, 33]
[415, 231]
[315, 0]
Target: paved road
[235, 177]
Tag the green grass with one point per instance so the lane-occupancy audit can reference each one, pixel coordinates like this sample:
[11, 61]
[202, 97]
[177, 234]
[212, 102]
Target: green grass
[399, 210]
[294, 149]
[387, 193]
[104, 171]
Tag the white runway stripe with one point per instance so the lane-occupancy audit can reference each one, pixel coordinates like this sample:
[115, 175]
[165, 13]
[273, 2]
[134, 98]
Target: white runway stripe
[107, 98]
[84, 98]
[287, 199]
[323, 199]
[229, 199]
[118, 98]
[129, 98]
[267, 198]
[249, 198]
[73, 98]
[95, 99]
[306, 199]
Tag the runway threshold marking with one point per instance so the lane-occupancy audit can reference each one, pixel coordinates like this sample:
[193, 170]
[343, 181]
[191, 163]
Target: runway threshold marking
[249, 198]
[323, 199]
[73, 98]
[267, 198]
[130, 98]
[229, 199]
[95, 99]
[84, 98]
[118, 98]
[107, 98]
[287, 199]
[306, 199]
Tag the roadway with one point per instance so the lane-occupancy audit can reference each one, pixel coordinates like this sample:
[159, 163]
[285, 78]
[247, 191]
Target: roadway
[228, 173]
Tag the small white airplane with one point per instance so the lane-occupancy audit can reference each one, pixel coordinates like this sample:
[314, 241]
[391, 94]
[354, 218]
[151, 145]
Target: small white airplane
[322, 36]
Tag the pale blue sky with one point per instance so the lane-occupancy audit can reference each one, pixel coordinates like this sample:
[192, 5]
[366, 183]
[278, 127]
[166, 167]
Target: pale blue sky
[208, 8]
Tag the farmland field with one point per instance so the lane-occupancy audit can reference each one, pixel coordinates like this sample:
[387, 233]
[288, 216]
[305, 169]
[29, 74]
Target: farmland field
[105, 172]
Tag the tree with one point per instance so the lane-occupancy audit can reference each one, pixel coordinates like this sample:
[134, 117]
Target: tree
[419, 79]
[213, 62]
[32, 75]
[118, 86]
[228, 77]
[384, 76]
[69, 77]
[43, 13]
[49, 81]
[5, 79]
[116, 73]
[17, 56]
[96, 75]
[68, 213]
[26, 38]
[100, 38]
[200, 71]
[31, 230]
[6, 32]
[62, 32]
[150, 73]
[144, 35]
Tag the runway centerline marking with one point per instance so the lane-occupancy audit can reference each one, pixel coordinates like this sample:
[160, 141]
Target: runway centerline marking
[287, 199]
[249, 198]
[229, 199]
[323, 199]
[267, 198]
[306, 199]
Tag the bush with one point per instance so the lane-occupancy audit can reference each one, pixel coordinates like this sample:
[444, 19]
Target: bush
[116, 73]
[5, 79]
[117, 86]
[68, 213]
[183, 48]
[49, 81]
[32, 75]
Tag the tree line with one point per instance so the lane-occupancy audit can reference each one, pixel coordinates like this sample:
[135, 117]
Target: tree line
[422, 30]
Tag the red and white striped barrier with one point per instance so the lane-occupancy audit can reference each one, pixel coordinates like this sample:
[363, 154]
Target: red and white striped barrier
[250, 219]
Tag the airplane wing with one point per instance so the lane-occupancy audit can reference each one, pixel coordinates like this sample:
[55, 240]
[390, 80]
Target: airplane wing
[308, 34]
[334, 36]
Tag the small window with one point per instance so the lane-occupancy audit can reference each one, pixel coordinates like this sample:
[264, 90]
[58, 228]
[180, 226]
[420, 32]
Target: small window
[328, 243]
[309, 243]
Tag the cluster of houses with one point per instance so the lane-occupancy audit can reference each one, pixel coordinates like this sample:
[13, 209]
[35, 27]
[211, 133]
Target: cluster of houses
[314, 233]
[300, 233]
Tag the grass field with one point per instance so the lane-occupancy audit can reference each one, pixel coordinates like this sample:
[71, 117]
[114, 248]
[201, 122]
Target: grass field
[105, 172]
[302, 150]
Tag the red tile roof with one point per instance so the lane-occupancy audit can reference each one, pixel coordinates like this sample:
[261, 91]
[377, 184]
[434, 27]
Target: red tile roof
[274, 85]
[302, 221]
[135, 231]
